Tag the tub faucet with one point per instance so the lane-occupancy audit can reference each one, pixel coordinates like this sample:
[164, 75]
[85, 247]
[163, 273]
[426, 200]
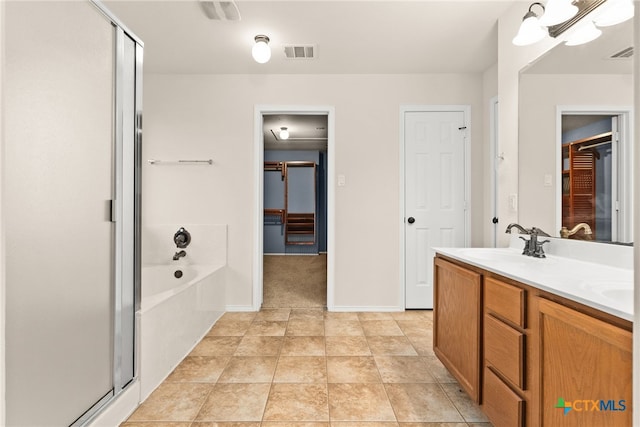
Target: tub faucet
[565, 232]
[179, 255]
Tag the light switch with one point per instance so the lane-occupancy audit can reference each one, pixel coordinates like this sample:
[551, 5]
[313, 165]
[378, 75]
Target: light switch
[548, 180]
[341, 181]
[513, 202]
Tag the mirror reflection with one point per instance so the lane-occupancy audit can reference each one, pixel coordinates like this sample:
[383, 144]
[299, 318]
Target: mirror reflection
[575, 158]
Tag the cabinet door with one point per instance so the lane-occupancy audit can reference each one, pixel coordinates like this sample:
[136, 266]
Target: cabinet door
[457, 326]
[585, 368]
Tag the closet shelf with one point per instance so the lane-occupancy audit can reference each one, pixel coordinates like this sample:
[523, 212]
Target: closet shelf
[301, 224]
[278, 216]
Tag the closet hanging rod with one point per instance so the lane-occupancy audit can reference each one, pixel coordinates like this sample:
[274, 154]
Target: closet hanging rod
[586, 147]
[180, 162]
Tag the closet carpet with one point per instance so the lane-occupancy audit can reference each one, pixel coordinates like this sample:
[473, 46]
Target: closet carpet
[294, 281]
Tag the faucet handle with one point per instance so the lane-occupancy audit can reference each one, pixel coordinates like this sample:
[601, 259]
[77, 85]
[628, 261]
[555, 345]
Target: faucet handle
[527, 246]
[539, 251]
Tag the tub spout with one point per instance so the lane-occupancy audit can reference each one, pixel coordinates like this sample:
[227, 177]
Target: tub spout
[179, 255]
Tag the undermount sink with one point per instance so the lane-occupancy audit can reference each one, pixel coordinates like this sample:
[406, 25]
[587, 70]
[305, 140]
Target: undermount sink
[613, 290]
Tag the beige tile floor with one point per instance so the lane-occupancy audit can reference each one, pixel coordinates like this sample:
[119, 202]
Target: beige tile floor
[308, 368]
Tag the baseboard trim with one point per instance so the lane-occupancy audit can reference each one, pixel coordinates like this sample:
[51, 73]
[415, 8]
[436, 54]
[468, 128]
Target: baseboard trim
[365, 308]
[239, 308]
[290, 254]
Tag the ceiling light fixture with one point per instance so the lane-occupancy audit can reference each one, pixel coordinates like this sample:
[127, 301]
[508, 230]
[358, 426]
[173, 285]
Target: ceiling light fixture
[558, 11]
[261, 51]
[284, 133]
[530, 30]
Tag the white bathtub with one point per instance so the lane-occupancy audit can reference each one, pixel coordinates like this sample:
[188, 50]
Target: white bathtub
[159, 282]
[174, 315]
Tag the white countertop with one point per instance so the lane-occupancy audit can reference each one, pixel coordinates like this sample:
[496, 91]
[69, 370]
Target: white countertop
[606, 288]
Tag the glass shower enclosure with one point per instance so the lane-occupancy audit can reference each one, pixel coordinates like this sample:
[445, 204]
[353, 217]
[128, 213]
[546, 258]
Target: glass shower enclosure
[72, 114]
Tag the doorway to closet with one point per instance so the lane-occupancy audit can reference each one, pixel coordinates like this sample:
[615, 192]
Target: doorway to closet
[594, 175]
[294, 210]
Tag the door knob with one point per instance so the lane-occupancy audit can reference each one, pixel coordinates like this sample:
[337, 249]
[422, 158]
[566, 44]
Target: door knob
[411, 220]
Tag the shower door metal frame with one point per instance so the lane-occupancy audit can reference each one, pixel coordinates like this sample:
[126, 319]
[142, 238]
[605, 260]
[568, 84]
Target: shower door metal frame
[127, 270]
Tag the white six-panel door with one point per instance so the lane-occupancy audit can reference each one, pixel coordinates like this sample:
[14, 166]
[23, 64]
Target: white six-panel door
[434, 147]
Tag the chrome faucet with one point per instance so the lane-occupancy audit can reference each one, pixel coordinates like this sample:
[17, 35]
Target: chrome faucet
[535, 246]
[527, 242]
[532, 247]
[519, 227]
[179, 255]
[565, 232]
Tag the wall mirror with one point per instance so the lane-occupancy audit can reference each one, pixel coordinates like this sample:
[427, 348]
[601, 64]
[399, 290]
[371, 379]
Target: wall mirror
[575, 138]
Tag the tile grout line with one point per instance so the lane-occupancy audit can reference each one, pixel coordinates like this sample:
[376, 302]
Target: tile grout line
[384, 386]
[326, 369]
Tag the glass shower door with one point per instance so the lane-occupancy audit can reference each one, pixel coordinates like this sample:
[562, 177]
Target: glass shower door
[60, 175]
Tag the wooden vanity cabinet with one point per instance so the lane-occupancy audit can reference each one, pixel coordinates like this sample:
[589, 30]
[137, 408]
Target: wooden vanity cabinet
[457, 323]
[587, 363]
[517, 350]
[504, 353]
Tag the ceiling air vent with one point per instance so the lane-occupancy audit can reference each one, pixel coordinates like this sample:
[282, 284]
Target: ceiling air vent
[624, 53]
[300, 51]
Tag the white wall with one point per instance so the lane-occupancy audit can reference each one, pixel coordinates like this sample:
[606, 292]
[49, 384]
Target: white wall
[2, 234]
[489, 91]
[511, 59]
[211, 116]
[636, 228]
[539, 97]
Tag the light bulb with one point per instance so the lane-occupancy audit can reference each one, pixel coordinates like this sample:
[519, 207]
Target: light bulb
[584, 33]
[614, 12]
[530, 31]
[558, 11]
[261, 51]
[284, 133]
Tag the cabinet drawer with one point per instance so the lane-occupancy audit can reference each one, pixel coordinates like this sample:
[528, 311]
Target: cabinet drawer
[504, 350]
[507, 301]
[503, 407]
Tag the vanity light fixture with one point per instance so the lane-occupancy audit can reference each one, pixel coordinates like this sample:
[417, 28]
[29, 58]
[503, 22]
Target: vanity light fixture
[284, 133]
[530, 31]
[261, 51]
[583, 33]
[615, 12]
[557, 11]
[561, 15]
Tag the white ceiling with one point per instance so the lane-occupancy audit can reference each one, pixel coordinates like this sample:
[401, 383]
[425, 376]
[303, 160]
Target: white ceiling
[352, 37]
[306, 132]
